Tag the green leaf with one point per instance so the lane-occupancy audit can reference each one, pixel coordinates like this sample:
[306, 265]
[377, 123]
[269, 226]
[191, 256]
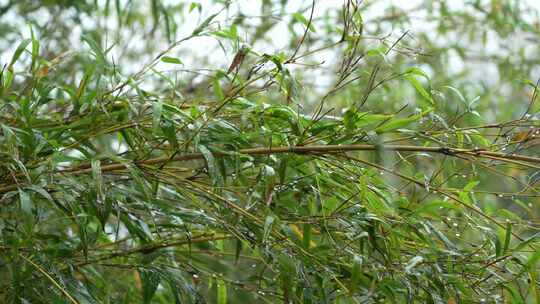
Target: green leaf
[26, 202]
[98, 51]
[354, 119]
[356, 272]
[531, 262]
[507, 237]
[173, 60]
[41, 192]
[399, 123]
[156, 115]
[221, 292]
[529, 240]
[300, 18]
[434, 207]
[204, 24]
[464, 194]
[516, 298]
[150, 280]
[419, 88]
[306, 238]
[35, 48]
[457, 92]
[533, 286]
[22, 46]
[96, 175]
[213, 167]
[218, 90]
[413, 263]
[268, 223]
[195, 5]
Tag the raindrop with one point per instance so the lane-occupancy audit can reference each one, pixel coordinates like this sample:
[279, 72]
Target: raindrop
[464, 176]
[500, 195]
[254, 265]
[458, 235]
[529, 205]
[455, 224]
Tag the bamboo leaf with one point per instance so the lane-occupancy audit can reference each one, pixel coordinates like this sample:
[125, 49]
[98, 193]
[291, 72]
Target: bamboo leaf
[172, 60]
[18, 52]
[399, 123]
[204, 24]
[221, 292]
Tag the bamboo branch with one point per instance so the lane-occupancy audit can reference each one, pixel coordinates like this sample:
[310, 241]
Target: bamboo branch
[311, 149]
[153, 247]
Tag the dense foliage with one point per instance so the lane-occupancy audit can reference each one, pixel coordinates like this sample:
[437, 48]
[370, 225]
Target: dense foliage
[269, 151]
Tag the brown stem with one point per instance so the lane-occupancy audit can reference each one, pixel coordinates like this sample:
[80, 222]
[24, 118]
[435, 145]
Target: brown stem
[153, 247]
[317, 149]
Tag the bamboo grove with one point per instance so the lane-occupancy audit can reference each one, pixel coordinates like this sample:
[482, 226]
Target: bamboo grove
[153, 152]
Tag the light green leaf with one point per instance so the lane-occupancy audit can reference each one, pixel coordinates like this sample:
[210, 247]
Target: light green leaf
[268, 223]
[173, 60]
[420, 89]
[19, 51]
[221, 292]
[399, 123]
[204, 24]
[300, 18]
[26, 202]
[156, 115]
[413, 263]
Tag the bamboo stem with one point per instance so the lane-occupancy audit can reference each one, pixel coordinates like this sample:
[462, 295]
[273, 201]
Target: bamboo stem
[316, 149]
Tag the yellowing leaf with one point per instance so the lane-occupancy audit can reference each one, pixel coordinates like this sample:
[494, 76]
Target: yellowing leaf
[42, 71]
[300, 235]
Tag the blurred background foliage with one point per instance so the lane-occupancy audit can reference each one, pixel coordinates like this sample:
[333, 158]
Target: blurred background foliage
[145, 151]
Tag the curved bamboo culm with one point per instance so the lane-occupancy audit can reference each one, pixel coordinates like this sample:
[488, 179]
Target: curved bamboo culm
[311, 149]
[336, 162]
